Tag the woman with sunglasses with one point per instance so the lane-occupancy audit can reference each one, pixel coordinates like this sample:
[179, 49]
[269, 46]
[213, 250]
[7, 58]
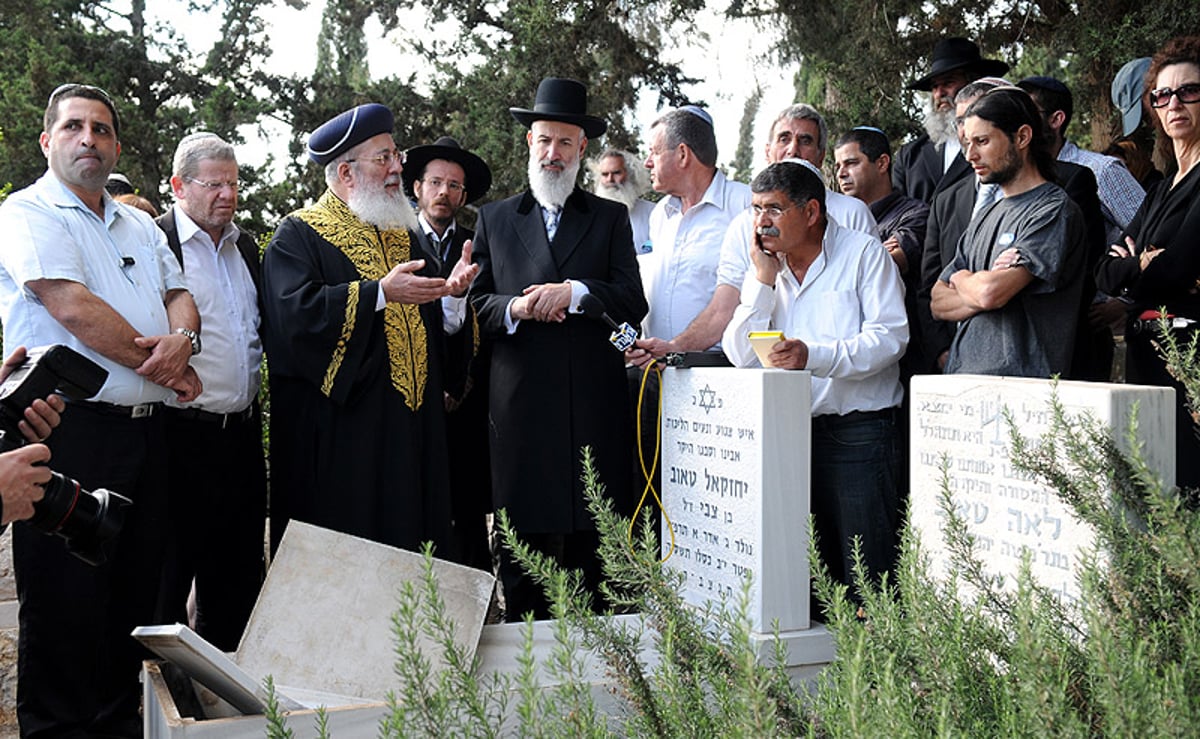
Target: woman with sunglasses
[1158, 265]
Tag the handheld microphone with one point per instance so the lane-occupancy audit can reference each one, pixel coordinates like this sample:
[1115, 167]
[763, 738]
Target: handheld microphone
[623, 334]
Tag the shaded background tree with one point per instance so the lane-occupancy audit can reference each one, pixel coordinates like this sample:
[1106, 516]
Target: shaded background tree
[163, 87]
[478, 62]
[858, 54]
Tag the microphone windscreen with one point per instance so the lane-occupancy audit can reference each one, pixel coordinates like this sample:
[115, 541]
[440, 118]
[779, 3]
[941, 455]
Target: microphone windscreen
[592, 307]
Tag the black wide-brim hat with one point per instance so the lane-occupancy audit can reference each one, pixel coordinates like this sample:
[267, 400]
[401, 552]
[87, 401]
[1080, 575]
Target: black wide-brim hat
[560, 99]
[476, 173]
[950, 54]
[349, 129]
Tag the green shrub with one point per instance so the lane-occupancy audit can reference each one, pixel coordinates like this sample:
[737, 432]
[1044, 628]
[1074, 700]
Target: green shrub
[918, 657]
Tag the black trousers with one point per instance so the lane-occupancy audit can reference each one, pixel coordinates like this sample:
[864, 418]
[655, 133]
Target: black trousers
[78, 666]
[217, 492]
[856, 490]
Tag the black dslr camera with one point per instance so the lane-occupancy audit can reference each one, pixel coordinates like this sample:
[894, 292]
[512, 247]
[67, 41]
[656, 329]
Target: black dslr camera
[86, 520]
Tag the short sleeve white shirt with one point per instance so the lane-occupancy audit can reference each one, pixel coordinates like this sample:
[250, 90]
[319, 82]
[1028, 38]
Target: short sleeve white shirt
[225, 296]
[679, 273]
[123, 259]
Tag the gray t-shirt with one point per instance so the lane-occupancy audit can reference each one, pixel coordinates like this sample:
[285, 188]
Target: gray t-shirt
[1034, 333]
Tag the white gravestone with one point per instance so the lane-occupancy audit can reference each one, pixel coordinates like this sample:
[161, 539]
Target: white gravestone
[323, 618]
[735, 481]
[1007, 510]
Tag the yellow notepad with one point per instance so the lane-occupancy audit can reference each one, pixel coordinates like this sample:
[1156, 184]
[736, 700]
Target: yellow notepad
[762, 341]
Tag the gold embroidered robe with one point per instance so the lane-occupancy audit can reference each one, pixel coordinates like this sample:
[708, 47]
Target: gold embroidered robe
[358, 439]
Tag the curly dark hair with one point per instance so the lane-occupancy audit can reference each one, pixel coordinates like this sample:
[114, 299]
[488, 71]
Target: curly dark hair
[1179, 50]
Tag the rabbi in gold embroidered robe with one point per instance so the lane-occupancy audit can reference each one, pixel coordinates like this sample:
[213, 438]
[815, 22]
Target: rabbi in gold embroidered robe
[356, 334]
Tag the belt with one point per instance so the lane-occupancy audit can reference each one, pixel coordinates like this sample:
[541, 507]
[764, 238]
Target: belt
[141, 410]
[224, 420]
[883, 413]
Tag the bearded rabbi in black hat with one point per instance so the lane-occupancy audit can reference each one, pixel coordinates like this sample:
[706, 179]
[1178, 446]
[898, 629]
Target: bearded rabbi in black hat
[557, 384]
[357, 327]
[932, 162]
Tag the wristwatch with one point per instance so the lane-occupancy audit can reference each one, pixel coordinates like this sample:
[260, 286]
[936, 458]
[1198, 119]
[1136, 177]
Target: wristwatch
[192, 337]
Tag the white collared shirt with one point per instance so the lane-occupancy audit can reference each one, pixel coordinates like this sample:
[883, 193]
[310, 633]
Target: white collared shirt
[123, 259]
[950, 151]
[679, 273]
[443, 241]
[850, 313]
[231, 360]
[845, 211]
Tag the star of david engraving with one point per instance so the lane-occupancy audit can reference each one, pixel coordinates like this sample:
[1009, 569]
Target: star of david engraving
[709, 399]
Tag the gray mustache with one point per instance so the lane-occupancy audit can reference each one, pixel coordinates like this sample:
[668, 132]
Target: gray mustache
[767, 231]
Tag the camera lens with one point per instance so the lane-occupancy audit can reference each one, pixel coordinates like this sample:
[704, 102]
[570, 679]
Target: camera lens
[87, 520]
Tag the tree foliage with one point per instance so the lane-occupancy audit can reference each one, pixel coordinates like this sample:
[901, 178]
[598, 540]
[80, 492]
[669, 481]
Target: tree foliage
[164, 88]
[484, 59]
[862, 53]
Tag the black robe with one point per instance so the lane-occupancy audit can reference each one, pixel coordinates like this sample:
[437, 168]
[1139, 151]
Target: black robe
[556, 387]
[358, 441]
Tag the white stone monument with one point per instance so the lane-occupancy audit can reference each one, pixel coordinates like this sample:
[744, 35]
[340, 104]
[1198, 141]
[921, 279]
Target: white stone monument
[323, 618]
[735, 479]
[961, 417]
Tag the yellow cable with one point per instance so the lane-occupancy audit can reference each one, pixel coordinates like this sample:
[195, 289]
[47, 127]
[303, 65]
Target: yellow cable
[652, 366]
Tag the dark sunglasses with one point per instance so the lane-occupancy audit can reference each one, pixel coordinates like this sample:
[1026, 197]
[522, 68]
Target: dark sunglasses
[1189, 93]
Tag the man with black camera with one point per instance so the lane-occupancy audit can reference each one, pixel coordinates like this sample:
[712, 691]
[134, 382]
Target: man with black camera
[23, 471]
[78, 269]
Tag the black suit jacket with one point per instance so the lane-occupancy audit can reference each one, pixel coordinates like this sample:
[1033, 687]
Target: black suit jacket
[948, 219]
[917, 169]
[460, 237]
[555, 387]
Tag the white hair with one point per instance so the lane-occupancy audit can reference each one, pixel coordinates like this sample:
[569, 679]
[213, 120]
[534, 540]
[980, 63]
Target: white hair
[551, 189]
[634, 171]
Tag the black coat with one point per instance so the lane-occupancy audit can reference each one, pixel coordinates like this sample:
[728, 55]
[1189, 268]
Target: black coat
[466, 430]
[917, 169]
[556, 387]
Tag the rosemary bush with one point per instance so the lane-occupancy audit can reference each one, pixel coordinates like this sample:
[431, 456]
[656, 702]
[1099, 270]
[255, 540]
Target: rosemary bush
[916, 656]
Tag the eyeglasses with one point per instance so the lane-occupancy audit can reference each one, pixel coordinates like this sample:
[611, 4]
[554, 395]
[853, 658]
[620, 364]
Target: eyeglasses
[436, 183]
[215, 185]
[1189, 93]
[774, 211]
[385, 159]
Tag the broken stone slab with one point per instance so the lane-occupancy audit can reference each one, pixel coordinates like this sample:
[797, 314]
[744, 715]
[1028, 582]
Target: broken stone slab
[323, 620]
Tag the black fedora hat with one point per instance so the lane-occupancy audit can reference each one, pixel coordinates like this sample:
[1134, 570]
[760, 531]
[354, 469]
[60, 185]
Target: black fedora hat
[950, 54]
[477, 175]
[560, 99]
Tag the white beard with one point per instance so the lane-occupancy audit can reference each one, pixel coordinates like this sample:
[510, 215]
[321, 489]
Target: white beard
[551, 189]
[941, 126]
[625, 193]
[384, 211]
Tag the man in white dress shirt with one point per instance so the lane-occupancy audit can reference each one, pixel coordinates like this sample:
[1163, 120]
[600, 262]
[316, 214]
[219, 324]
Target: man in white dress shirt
[799, 134]
[836, 296]
[798, 131]
[217, 491]
[78, 268]
[679, 271]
